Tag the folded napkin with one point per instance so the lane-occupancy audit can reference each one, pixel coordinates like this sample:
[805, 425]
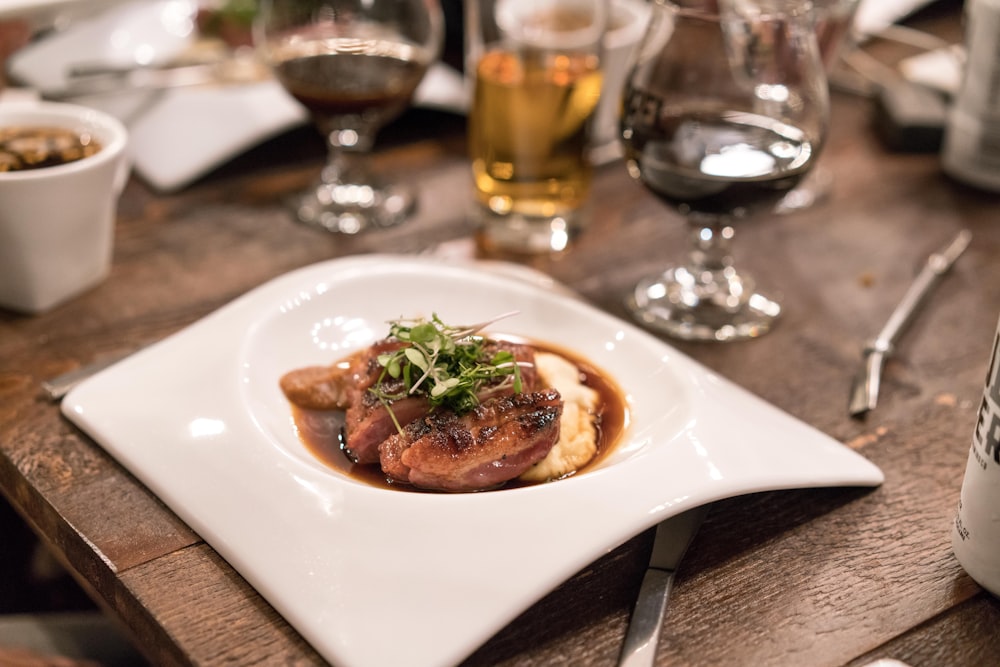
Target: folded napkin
[178, 135]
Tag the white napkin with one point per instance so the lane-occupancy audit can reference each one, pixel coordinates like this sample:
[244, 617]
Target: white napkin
[874, 15]
[181, 134]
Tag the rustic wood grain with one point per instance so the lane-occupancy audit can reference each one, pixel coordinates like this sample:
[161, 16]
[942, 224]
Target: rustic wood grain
[817, 577]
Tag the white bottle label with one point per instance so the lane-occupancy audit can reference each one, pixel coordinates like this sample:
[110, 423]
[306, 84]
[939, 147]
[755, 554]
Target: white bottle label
[975, 537]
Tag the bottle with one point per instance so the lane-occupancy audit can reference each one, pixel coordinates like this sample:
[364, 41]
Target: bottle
[975, 535]
[971, 151]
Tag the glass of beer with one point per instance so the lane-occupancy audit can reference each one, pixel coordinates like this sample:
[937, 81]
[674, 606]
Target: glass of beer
[535, 70]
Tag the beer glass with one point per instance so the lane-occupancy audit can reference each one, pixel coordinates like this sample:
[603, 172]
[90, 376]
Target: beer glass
[534, 66]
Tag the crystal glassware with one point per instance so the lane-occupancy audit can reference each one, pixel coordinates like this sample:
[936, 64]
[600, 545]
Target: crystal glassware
[354, 65]
[833, 20]
[536, 72]
[724, 111]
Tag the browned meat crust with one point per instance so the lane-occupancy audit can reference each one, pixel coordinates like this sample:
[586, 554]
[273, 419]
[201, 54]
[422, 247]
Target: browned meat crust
[493, 443]
[481, 449]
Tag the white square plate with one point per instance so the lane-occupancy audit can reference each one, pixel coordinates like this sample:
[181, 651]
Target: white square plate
[201, 420]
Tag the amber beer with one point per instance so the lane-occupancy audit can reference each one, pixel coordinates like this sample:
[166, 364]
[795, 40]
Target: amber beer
[528, 131]
[536, 71]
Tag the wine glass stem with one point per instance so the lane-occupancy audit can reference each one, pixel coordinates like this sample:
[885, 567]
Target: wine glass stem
[347, 151]
[710, 245]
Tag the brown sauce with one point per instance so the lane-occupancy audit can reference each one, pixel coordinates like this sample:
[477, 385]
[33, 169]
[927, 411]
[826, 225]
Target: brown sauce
[321, 430]
[24, 148]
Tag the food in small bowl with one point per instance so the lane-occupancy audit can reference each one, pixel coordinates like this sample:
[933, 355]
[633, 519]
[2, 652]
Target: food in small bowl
[442, 408]
[34, 147]
[62, 169]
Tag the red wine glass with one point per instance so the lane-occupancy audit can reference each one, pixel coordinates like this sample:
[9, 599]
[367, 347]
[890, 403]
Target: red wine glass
[833, 20]
[354, 65]
[724, 111]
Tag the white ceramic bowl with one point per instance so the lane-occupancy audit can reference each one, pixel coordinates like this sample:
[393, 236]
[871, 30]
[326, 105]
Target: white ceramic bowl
[57, 223]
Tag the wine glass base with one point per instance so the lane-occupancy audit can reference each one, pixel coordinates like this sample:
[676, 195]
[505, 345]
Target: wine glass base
[519, 234]
[670, 304]
[347, 208]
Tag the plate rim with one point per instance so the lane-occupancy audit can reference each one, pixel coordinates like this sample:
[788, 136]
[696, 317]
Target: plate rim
[81, 406]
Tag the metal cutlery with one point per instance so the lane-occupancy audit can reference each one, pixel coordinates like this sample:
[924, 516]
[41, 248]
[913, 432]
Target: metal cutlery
[672, 539]
[56, 388]
[105, 79]
[866, 385]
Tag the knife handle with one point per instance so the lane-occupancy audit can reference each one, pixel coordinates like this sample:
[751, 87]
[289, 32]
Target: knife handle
[639, 649]
[936, 266]
[906, 309]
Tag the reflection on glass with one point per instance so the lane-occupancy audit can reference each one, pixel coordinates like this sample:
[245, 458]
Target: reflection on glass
[724, 112]
[354, 64]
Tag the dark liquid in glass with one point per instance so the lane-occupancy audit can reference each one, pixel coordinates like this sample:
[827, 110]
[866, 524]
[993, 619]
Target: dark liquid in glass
[723, 162]
[339, 84]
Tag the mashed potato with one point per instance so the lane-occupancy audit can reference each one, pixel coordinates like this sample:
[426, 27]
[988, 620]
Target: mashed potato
[578, 433]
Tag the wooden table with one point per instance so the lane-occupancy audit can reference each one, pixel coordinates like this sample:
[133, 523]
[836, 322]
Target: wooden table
[817, 577]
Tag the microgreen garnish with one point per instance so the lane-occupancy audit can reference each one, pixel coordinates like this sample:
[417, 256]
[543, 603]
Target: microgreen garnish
[447, 364]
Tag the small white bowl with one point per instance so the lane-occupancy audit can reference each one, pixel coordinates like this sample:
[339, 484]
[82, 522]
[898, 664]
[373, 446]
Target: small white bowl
[57, 223]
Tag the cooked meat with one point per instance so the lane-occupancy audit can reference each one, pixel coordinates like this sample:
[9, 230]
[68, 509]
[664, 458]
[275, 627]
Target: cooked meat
[339, 386]
[482, 449]
[317, 388]
[368, 421]
[523, 355]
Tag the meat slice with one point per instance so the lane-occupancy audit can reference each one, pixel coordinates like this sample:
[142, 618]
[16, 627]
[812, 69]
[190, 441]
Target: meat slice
[482, 449]
[317, 388]
[368, 421]
[339, 386]
[524, 355]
